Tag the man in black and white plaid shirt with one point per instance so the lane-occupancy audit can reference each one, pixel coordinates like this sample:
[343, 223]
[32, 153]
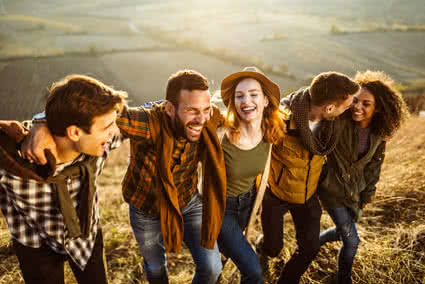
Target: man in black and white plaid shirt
[52, 211]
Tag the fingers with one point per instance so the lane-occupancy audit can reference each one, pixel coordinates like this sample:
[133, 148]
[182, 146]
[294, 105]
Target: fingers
[26, 150]
[32, 153]
[18, 130]
[39, 157]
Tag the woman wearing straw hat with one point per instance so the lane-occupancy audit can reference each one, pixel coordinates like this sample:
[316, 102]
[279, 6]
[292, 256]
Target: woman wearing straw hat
[254, 121]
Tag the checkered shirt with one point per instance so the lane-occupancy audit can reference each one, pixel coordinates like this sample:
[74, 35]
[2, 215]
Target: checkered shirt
[138, 185]
[32, 211]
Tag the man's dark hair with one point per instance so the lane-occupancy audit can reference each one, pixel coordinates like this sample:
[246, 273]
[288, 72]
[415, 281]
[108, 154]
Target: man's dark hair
[331, 87]
[184, 80]
[77, 100]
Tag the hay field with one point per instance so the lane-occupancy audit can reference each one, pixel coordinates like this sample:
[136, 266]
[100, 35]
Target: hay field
[392, 231]
[135, 46]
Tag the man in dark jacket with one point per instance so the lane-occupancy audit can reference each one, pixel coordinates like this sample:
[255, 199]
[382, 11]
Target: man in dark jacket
[312, 133]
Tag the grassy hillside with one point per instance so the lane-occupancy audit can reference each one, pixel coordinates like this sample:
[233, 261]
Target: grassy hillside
[392, 231]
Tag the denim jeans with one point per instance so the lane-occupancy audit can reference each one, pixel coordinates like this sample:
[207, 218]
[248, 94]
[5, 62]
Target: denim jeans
[306, 219]
[147, 230]
[231, 241]
[345, 230]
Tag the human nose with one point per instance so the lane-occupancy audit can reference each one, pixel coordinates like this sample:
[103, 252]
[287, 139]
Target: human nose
[245, 99]
[203, 117]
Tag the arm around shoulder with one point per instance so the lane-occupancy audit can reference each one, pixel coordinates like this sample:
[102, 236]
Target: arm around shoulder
[133, 123]
[14, 129]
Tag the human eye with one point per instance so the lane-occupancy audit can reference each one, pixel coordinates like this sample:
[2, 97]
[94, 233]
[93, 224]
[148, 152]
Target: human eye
[194, 111]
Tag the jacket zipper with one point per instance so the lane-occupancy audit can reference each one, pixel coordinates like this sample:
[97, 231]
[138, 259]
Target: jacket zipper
[280, 175]
[310, 156]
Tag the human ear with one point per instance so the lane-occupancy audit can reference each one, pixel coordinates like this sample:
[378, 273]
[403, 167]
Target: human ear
[266, 101]
[74, 133]
[329, 108]
[170, 109]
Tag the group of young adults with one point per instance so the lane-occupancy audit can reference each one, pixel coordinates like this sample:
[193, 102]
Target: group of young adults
[323, 142]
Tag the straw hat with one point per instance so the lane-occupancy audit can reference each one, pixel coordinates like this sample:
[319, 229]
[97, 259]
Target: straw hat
[251, 72]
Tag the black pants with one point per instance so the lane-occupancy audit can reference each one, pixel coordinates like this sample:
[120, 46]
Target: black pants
[306, 219]
[44, 266]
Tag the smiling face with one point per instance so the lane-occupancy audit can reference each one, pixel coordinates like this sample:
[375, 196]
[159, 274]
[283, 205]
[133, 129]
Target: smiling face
[102, 130]
[363, 107]
[191, 114]
[250, 100]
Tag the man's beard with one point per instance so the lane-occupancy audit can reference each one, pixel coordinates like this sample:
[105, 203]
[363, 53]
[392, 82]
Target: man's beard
[180, 127]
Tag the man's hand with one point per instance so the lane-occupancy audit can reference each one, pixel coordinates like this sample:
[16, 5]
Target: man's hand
[34, 144]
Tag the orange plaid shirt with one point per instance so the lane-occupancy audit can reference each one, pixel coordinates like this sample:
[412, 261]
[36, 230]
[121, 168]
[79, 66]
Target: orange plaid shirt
[139, 187]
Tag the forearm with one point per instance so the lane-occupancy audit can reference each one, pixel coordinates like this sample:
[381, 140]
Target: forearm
[14, 129]
[4, 124]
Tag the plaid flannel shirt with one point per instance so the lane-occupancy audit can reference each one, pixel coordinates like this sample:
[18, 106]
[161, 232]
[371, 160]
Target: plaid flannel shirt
[33, 216]
[138, 185]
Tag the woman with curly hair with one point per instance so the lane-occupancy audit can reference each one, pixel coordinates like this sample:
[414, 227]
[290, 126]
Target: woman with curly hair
[254, 121]
[353, 168]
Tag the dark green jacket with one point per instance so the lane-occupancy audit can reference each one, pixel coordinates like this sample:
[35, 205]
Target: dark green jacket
[346, 181]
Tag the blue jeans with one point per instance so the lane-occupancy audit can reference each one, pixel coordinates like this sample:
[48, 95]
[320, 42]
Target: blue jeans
[147, 230]
[345, 230]
[231, 241]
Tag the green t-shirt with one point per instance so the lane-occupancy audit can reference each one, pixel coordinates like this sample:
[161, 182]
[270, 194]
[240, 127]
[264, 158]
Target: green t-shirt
[243, 166]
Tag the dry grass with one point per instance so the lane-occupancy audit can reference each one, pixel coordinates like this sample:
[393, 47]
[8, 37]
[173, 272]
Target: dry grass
[414, 95]
[392, 231]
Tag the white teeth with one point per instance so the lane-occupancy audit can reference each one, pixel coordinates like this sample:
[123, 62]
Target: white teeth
[248, 108]
[196, 129]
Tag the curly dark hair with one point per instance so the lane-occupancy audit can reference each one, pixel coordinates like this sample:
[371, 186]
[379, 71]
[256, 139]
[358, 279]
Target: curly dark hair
[390, 108]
